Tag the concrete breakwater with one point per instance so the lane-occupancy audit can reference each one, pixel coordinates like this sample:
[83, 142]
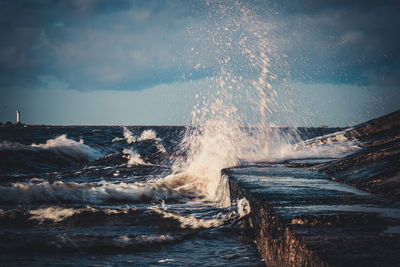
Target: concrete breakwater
[301, 218]
[313, 213]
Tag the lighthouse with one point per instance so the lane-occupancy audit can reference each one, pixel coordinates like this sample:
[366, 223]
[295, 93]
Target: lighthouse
[18, 117]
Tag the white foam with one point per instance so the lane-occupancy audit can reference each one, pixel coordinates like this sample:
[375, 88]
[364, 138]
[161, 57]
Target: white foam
[148, 135]
[117, 139]
[334, 145]
[166, 260]
[243, 207]
[64, 145]
[145, 135]
[125, 241]
[122, 241]
[60, 145]
[220, 144]
[321, 151]
[95, 192]
[58, 214]
[222, 195]
[128, 136]
[161, 148]
[134, 158]
[55, 214]
[189, 221]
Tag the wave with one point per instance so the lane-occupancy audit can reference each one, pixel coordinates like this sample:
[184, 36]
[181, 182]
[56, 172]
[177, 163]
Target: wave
[76, 242]
[160, 148]
[56, 215]
[332, 138]
[189, 221]
[172, 188]
[95, 242]
[60, 151]
[117, 139]
[74, 216]
[134, 158]
[219, 144]
[128, 136]
[60, 145]
[334, 145]
[146, 136]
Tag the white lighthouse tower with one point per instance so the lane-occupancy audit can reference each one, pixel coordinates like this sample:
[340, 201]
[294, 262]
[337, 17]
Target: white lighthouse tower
[18, 117]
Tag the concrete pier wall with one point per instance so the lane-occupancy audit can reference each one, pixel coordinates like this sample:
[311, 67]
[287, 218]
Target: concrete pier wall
[301, 218]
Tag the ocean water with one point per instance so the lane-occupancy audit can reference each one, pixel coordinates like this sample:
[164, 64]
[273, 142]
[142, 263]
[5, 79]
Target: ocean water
[120, 196]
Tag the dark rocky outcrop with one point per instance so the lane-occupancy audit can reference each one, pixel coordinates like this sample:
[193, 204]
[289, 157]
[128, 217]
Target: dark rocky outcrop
[387, 125]
[375, 168]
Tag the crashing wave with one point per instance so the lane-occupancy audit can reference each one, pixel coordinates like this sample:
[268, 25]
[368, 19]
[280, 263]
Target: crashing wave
[147, 135]
[60, 145]
[144, 136]
[189, 221]
[57, 152]
[333, 145]
[58, 214]
[134, 158]
[130, 139]
[176, 188]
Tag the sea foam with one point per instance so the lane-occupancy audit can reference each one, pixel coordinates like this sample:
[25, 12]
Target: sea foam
[61, 145]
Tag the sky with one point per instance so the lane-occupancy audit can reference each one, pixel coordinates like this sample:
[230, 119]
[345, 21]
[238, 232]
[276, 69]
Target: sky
[135, 62]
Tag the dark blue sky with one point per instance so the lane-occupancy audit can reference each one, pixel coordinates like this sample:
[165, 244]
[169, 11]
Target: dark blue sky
[135, 62]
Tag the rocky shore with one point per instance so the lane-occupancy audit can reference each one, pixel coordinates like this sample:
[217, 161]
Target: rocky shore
[375, 168]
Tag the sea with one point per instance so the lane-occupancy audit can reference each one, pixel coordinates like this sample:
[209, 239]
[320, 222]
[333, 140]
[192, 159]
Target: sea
[128, 196]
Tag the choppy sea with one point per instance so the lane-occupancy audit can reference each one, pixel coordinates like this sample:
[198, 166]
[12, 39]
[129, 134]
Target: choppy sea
[110, 195]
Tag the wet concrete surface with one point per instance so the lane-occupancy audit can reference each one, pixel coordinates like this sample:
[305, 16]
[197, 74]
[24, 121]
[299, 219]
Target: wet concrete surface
[302, 218]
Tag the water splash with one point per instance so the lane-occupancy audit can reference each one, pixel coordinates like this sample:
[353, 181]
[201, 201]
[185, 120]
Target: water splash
[231, 121]
[134, 159]
[129, 137]
[148, 135]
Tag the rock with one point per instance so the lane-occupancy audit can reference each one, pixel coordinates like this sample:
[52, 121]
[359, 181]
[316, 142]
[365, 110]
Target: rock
[375, 168]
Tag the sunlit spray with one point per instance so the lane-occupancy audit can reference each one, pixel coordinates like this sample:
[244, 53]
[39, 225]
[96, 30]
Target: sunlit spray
[230, 122]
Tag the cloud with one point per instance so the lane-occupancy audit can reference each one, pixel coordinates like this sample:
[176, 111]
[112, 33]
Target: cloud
[343, 41]
[133, 45]
[93, 45]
